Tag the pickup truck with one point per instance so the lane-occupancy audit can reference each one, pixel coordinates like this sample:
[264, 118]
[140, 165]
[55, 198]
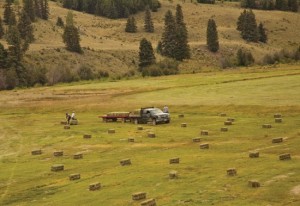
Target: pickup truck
[140, 116]
[149, 114]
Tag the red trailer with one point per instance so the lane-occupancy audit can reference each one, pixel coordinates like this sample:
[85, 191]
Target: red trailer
[115, 116]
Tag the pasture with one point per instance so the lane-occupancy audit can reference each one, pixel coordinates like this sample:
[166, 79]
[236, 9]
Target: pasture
[30, 120]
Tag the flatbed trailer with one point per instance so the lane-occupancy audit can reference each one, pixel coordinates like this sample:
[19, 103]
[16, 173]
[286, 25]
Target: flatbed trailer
[115, 116]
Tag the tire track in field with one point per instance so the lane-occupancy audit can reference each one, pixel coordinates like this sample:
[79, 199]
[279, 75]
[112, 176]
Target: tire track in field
[12, 173]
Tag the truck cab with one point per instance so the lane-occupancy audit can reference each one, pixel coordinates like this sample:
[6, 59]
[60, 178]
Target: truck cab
[150, 114]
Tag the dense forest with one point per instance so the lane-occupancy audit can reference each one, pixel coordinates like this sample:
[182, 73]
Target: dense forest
[111, 8]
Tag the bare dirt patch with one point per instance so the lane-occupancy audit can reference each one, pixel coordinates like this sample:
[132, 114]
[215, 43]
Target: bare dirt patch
[296, 190]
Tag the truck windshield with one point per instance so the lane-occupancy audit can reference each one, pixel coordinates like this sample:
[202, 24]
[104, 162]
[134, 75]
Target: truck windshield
[156, 111]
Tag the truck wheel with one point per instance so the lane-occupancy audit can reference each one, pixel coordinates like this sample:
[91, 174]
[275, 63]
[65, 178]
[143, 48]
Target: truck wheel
[154, 122]
[136, 121]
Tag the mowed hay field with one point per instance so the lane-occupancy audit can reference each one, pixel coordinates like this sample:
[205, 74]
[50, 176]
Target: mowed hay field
[30, 119]
[107, 47]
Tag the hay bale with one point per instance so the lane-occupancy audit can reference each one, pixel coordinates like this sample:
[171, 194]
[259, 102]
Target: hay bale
[228, 123]
[63, 122]
[58, 153]
[87, 136]
[140, 128]
[204, 146]
[224, 129]
[74, 176]
[57, 167]
[231, 172]
[130, 139]
[196, 139]
[266, 126]
[254, 154]
[230, 119]
[74, 122]
[204, 132]
[286, 156]
[278, 120]
[125, 162]
[181, 115]
[36, 152]
[94, 186]
[183, 124]
[150, 202]
[139, 196]
[111, 131]
[277, 140]
[223, 114]
[173, 174]
[78, 156]
[174, 160]
[253, 183]
[67, 127]
[151, 135]
[278, 115]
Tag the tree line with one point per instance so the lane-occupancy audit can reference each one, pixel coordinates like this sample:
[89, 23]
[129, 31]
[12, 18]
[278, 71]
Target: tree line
[283, 5]
[111, 8]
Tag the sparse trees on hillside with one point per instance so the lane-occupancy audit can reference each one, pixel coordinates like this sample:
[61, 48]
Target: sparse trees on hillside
[148, 21]
[131, 25]
[7, 12]
[14, 41]
[71, 36]
[3, 57]
[168, 40]
[146, 54]
[283, 5]
[247, 25]
[244, 57]
[28, 7]
[212, 40]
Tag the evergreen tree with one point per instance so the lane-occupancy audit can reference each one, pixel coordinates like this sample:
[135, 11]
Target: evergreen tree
[38, 8]
[182, 49]
[262, 33]
[7, 12]
[148, 21]
[241, 21]
[168, 41]
[28, 6]
[45, 9]
[14, 42]
[146, 54]
[71, 36]
[131, 25]
[244, 58]
[1, 29]
[212, 36]
[293, 5]
[60, 22]
[159, 47]
[3, 57]
[25, 28]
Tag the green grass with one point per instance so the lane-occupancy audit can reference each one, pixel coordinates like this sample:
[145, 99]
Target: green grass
[30, 119]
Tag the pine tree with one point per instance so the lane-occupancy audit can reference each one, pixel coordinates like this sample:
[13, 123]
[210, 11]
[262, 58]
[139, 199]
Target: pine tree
[262, 33]
[244, 58]
[60, 22]
[7, 12]
[14, 42]
[241, 21]
[293, 5]
[1, 29]
[212, 36]
[25, 28]
[38, 8]
[148, 21]
[182, 49]
[71, 36]
[12, 19]
[131, 25]
[3, 57]
[168, 41]
[28, 6]
[45, 9]
[146, 54]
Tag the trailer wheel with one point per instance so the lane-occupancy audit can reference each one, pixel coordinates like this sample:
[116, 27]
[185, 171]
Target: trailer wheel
[136, 121]
[153, 121]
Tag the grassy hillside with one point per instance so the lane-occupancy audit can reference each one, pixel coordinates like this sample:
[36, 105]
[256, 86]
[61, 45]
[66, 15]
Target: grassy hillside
[30, 119]
[109, 48]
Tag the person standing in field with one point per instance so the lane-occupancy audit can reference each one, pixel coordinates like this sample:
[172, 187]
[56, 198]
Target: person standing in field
[166, 109]
[73, 115]
[68, 117]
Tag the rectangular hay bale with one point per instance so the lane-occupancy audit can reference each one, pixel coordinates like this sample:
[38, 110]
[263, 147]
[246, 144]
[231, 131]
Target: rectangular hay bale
[231, 172]
[254, 154]
[149, 202]
[173, 174]
[87, 136]
[57, 167]
[139, 196]
[36, 152]
[204, 146]
[196, 139]
[277, 140]
[125, 162]
[78, 156]
[253, 183]
[58, 153]
[204, 132]
[74, 176]
[228, 123]
[94, 186]
[174, 160]
[266, 126]
[286, 156]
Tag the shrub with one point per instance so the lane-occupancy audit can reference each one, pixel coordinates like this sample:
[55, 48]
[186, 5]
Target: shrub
[86, 73]
[164, 67]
